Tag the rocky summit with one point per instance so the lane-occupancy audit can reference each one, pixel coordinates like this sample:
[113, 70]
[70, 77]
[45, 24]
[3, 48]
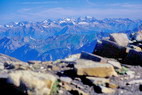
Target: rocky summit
[113, 68]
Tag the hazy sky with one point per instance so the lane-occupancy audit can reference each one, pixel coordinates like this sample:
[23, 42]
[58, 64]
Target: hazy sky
[37, 10]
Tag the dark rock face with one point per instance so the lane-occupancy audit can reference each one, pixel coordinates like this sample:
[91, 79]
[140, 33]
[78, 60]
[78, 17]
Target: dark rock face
[133, 58]
[25, 53]
[115, 47]
[110, 49]
[8, 89]
[89, 56]
[140, 87]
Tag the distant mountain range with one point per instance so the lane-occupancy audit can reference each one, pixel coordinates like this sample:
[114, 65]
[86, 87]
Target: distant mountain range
[56, 39]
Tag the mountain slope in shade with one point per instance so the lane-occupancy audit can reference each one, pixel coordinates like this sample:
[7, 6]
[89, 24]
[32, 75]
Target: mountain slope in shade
[56, 39]
[25, 53]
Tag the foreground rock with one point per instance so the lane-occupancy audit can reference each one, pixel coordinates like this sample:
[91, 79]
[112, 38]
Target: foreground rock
[109, 49]
[34, 62]
[31, 82]
[120, 38]
[133, 58]
[93, 57]
[115, 64]
[135, 82]
[98, 81]
[107, 90]
[138, 36]
[113, 69]
[7, 62]
[91, 68]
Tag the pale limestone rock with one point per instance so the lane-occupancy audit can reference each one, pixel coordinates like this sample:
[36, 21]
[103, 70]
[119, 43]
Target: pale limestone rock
[75, 56]
[69, 88]
[98, 81]
[66, 79]
[47, 62]
[55, 68]
[133, 47]
[107, 90]
[91, 68]
[136, 48]
[1, 66]
[112, 85]
[34, 62]
[115, 64]
[131, 74]
[135, 82]
[120, 38]
[70, 59]
[33, 83]
[3, 74]
[128, 49]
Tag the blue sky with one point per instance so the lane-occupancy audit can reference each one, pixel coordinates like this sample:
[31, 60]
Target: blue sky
[37, 10]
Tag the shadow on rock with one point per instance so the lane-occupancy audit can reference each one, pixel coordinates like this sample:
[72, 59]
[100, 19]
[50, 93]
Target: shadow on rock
[8, 89]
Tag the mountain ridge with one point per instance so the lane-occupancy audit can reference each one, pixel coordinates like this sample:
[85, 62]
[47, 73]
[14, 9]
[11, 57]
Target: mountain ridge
[60, 37]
